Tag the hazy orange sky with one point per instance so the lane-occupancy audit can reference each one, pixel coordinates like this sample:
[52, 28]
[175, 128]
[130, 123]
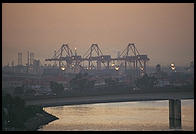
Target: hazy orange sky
[165, 32]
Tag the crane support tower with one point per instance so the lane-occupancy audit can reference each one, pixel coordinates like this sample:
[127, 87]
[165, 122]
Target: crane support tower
[131, 55]
[130, 58]
[66, 59]
[94, 54]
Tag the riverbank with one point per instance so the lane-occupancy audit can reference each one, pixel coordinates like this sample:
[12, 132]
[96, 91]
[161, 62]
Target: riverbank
[40, 119]
[17, 116]
[34, 123]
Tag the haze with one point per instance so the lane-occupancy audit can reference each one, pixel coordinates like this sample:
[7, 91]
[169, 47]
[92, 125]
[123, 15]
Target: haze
[165, 32]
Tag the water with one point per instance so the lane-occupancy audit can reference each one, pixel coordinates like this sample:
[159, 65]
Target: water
[123, 116]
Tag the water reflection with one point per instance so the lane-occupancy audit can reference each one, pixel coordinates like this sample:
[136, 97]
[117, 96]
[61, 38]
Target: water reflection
[150, 115]
[78, 110]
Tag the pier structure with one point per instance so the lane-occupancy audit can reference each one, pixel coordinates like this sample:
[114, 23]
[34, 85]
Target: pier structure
[175, 114]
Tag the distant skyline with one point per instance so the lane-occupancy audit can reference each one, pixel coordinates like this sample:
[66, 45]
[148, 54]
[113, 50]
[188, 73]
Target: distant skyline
[163, 31]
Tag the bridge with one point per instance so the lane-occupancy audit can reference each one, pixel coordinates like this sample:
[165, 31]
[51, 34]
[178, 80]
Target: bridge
[173, 97]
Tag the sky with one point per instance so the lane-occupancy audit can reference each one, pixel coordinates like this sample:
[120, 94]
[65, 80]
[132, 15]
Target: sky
[163, 31]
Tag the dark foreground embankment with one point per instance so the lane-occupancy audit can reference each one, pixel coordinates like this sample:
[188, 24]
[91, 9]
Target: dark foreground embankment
[17, 116]
[39, 120]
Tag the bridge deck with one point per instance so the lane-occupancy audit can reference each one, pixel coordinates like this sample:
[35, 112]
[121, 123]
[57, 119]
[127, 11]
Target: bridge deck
[110, 98]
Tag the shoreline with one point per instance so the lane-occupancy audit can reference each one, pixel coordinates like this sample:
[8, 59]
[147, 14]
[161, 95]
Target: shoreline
[40, 119]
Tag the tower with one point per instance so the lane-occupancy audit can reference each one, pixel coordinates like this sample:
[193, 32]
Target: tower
[31, 58]
[158, 68]
[27, 58]
[19, 58]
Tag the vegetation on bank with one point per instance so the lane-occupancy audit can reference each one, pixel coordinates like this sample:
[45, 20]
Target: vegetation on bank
[56, 88]
[83, 84]
[15, 113]
[149, 82]
[146, 82]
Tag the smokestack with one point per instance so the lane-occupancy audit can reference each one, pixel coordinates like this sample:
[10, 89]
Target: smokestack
[19, 58]
[12, 63]
[55, 57]
[31, 58]
[27, 58]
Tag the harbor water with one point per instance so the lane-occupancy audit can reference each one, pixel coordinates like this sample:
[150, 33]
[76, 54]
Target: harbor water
[123, 116]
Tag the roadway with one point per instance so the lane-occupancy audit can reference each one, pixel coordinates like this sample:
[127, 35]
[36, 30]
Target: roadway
[111, 98]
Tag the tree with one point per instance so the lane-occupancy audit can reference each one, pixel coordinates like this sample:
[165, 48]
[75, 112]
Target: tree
[146, 82]
[81, 82]
[56, 88]
[19, 90]
[30, 92]
[13, 111]
[110, 82]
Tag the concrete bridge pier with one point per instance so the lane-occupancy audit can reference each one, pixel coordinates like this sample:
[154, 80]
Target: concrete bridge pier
[175, 114]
